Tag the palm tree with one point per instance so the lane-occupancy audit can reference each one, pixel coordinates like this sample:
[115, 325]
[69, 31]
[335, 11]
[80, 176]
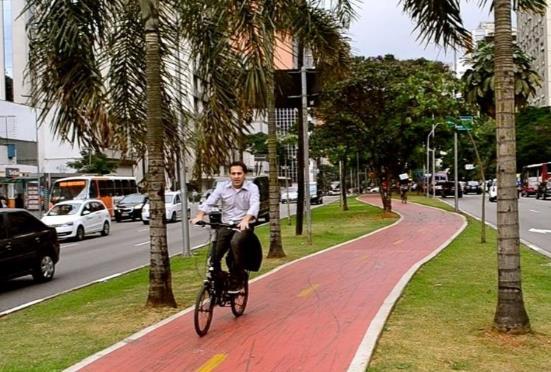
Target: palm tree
[103, 70]
[441, 21]
[160, 288]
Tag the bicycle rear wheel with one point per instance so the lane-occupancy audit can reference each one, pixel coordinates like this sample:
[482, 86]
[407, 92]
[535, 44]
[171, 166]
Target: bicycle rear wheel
[204, 306]
[239, 300]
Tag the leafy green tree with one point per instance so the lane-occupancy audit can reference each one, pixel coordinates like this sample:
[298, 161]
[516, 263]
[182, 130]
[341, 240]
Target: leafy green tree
[440, 21]
[94, 162]
[386, 107]
[479, 87]
[479, 91]
[533, 136]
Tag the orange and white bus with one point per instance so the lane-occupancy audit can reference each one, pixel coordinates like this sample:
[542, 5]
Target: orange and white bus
[106, 188]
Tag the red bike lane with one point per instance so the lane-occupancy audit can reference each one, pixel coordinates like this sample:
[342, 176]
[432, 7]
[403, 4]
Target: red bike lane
[321, 313]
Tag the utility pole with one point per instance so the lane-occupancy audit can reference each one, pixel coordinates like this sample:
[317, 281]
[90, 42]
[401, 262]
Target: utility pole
[186, 252]
[307, 212]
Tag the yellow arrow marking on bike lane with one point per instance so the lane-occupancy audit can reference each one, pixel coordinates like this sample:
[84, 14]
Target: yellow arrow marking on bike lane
[212, 363]
[306, 292]
[365, 258]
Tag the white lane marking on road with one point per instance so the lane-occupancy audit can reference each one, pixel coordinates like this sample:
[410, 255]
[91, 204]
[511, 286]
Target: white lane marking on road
[540, 231]
[535, 211]
[140, 230]
[144, 243]
[68, 245]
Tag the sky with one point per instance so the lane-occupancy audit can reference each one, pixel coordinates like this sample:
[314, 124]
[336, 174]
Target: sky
[382, 28]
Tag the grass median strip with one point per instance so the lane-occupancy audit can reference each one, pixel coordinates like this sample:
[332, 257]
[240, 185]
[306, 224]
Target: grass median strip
[62, 331]
[443, 321]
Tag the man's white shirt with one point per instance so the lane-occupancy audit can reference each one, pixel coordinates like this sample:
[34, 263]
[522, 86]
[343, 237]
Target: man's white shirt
[235, 203]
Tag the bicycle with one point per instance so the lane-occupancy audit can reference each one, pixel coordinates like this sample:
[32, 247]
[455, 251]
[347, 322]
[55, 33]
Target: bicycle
[215, 289]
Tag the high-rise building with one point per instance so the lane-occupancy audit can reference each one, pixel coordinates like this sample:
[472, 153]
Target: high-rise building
[534, 37]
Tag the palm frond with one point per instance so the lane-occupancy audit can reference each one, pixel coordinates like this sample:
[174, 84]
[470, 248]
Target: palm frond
[439, 21]
[321, 32]
[65, 67]
[344, 11]
[126, 77]
[230, 80]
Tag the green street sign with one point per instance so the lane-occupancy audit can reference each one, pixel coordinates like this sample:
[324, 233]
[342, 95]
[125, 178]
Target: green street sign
[466, 123]
[461, 124]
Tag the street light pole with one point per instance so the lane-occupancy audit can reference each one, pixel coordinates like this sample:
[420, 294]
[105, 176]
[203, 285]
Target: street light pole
[455, 171]
[428, 161]
[433, 133]
[433, 181]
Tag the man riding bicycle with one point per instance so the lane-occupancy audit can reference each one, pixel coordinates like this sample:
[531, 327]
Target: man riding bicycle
[240, 202]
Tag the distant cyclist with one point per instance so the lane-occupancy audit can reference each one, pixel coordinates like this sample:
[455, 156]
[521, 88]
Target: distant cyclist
[404, 188]
[240, 202]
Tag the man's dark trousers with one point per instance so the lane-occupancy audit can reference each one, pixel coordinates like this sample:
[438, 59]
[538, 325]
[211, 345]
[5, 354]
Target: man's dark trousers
[226, 239]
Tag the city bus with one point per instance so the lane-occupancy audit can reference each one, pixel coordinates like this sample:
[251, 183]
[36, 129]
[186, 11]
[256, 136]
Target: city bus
[106, 188]
[531, 177]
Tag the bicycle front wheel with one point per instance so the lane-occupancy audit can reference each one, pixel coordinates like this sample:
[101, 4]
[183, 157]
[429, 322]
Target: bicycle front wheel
[204, 307]
[239, 300]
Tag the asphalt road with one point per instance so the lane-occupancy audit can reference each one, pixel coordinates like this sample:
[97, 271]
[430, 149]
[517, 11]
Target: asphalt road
[534, 217]
[99, 258]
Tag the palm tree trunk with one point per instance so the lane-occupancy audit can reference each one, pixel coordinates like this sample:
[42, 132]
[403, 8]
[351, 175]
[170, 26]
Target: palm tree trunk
[510, 314]
[276, 247]
[160, 285]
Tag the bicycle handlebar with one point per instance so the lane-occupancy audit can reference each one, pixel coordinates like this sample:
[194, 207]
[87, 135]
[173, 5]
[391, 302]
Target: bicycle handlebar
[216, 224]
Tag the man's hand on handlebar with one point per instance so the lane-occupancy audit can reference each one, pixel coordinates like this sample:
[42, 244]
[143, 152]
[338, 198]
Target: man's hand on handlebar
[197, 221]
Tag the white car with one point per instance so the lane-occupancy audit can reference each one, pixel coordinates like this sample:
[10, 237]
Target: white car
[78, 218]
[173, 207]
[492, 193]
[289, 197]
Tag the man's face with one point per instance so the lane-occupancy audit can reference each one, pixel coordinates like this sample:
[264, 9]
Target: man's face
[237, 176]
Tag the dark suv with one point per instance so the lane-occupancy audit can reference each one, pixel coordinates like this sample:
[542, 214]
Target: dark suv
[448, 189]
[473, 186]
[130, 207]
[27, 246]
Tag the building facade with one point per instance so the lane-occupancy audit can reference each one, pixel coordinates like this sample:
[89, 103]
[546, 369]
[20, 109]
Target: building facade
[534, 37]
